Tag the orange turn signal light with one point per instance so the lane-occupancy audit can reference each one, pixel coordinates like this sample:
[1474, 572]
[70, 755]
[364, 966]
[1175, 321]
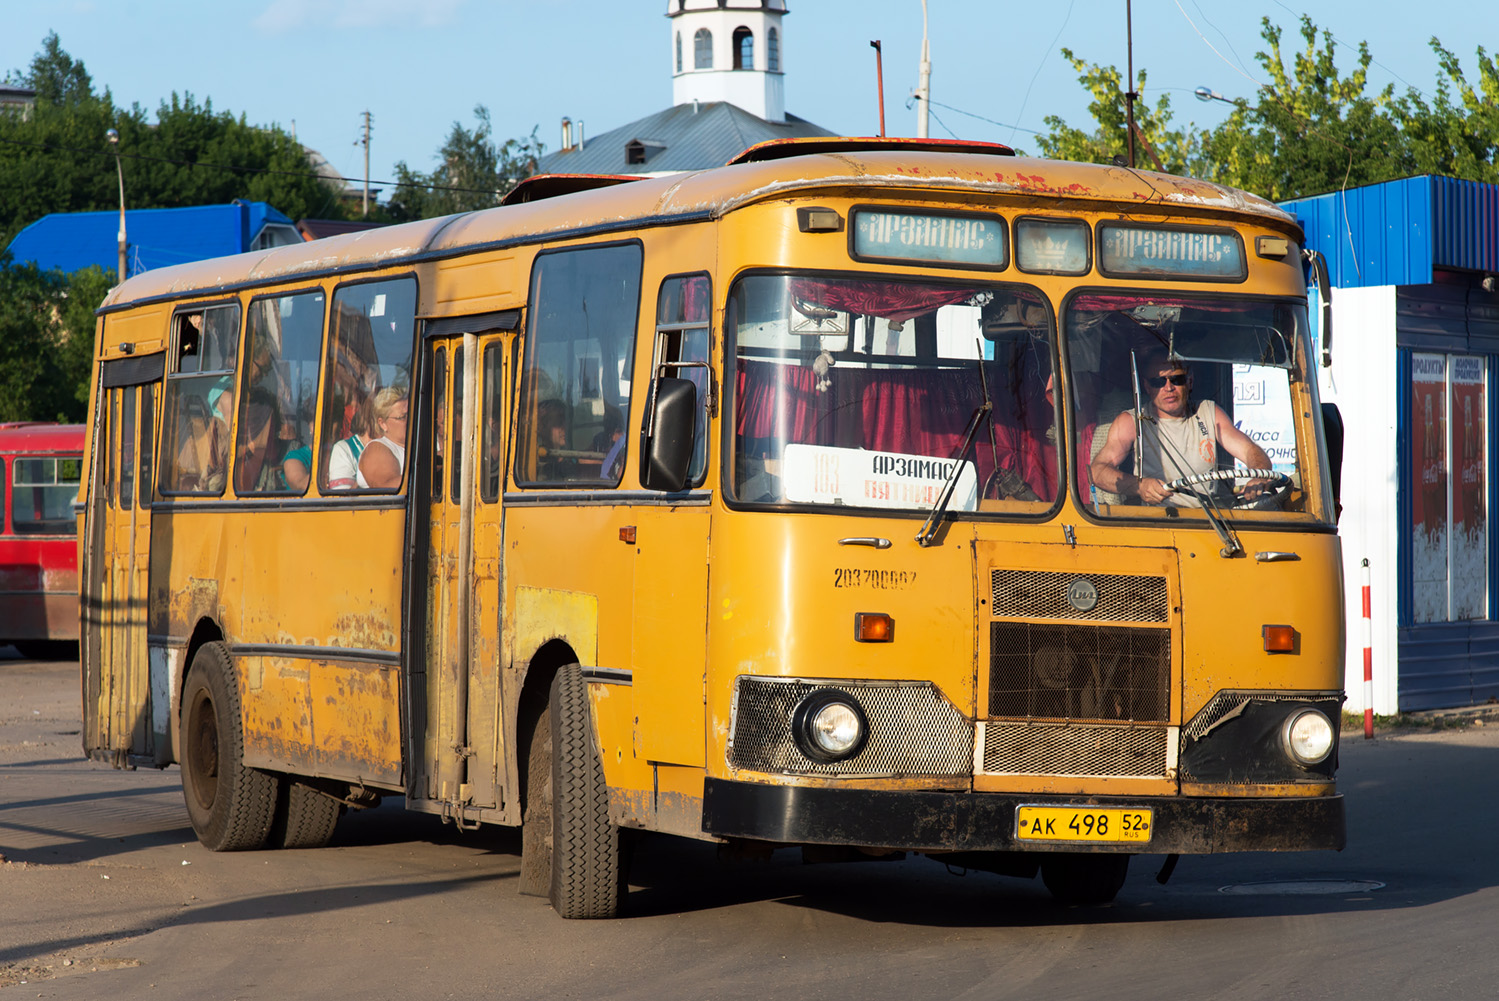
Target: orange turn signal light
[873, 627]
[1279, 639]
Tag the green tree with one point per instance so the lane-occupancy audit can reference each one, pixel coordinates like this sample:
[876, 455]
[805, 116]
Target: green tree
[46, 340]
[1458, 138]
[1310, 129]
[1172, 148]
[473, 172]
[57, 159]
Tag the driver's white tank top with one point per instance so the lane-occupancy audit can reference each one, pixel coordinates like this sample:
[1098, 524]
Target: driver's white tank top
[1173, 447]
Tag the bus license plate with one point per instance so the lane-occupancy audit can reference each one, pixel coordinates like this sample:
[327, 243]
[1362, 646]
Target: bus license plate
[1095, 825]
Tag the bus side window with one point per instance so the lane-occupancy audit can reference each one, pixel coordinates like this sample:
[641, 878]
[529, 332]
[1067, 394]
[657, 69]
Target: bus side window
[493, 408]
[371, 335]
[198, 405]
[283, 351]
[575, 380]
[146, 441]
[438, 424]
[127, 447]
[456, 438]
[681, 351]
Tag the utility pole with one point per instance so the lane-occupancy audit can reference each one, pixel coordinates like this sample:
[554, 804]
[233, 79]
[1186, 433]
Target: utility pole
[924, 82]
[113, 138]
[879, 70]
[1129, 94]
[366, 144]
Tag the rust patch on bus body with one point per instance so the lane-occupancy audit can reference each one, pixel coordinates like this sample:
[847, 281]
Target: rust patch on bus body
[363, 632]
[189, 605]
[667, 812]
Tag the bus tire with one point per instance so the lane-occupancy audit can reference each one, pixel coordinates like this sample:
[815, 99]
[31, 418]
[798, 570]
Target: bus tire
[1086, 879]
[305, 818]
[231, 807]
[587, 867]
[536, 821]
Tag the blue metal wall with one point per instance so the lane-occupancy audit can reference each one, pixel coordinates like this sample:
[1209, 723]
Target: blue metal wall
[1399, 232]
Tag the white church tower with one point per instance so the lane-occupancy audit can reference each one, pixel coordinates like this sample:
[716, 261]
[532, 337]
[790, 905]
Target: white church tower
[729, 50]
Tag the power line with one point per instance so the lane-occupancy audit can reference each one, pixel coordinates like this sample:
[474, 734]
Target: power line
[1003, 125]
[247, 170]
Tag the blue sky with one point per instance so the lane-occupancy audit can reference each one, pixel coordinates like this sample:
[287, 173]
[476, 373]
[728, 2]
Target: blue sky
[417, 67]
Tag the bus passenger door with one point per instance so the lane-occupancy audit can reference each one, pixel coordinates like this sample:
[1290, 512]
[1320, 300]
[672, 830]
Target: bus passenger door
[122, 720]
[456, 739]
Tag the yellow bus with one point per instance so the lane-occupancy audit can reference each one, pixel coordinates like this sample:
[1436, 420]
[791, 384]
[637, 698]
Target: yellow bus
[866, 496]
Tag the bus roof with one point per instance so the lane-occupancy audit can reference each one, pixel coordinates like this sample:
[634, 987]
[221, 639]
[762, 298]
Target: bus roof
[27, 437]
[700, 195]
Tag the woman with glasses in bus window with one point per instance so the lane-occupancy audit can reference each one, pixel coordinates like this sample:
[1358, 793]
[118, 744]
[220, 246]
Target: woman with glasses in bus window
[382, 460]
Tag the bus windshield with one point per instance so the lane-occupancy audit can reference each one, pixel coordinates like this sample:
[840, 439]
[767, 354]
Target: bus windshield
[1190, 402]
[860, 392]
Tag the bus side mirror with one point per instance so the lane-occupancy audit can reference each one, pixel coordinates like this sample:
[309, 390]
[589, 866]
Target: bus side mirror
[667, 446]
[1332, 433]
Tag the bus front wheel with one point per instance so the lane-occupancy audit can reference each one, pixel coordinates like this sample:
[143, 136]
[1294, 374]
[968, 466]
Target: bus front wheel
[588, 872]
[1086, 879]
[231, 807]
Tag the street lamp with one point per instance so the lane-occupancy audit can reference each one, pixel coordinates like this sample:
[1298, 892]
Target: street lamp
[114, 141]
[1209, 94]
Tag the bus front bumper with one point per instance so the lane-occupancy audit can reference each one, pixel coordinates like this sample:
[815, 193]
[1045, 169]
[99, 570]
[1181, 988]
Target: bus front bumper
[957, 821]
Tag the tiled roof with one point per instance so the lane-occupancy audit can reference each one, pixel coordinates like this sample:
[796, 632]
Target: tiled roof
[684, 137]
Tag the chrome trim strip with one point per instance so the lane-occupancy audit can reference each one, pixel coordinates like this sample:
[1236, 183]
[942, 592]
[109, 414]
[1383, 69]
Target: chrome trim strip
[385, 502]
[609, 675]
[388, 658]
[607, 498]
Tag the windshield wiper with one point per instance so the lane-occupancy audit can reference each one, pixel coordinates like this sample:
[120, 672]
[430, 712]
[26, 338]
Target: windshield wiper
[1220, 521]
[928, 534]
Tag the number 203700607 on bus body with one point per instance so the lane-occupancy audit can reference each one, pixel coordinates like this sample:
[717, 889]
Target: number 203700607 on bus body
[1088, 824]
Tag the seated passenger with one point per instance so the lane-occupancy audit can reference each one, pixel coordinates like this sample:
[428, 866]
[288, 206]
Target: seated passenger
[296, 468]
[381, 462]
[1179, 440]
[551, 442]
[343, 460]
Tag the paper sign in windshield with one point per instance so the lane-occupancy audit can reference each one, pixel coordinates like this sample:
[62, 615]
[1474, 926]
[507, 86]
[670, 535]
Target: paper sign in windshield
[855, 477]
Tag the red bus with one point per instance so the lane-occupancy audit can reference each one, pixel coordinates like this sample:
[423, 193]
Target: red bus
[39, 469]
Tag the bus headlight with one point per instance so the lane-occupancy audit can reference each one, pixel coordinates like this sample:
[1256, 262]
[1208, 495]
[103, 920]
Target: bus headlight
[1308, 737]
[829, 725]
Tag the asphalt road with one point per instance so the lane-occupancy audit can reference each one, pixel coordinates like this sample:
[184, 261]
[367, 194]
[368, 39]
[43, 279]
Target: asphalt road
[105, 894]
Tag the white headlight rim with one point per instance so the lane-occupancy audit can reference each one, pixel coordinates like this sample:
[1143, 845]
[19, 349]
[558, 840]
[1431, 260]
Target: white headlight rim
[1308, 737]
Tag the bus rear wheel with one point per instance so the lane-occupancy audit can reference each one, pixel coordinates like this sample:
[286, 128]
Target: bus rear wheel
[231, 807]
[588, 871]
[305, 818]
[1083, 878]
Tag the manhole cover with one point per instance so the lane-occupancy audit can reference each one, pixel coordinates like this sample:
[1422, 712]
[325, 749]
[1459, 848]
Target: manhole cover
[1303, 887]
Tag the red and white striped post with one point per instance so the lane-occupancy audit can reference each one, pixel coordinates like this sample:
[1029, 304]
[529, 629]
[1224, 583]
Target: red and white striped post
[1368, 659]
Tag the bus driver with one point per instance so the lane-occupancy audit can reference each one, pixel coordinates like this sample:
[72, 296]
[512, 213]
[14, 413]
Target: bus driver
[1180, 440]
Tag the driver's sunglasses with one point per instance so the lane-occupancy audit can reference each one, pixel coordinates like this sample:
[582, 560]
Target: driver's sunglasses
[1176, 379]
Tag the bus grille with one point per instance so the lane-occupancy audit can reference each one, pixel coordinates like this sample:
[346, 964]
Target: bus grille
[913, 730]
[1037, 594]
[1074, 750]
[1079, 671]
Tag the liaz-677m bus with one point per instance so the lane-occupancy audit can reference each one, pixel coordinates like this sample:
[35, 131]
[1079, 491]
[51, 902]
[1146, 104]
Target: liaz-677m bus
[865, 496]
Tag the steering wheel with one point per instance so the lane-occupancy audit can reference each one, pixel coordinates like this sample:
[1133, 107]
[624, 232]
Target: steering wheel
[1271, 499]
